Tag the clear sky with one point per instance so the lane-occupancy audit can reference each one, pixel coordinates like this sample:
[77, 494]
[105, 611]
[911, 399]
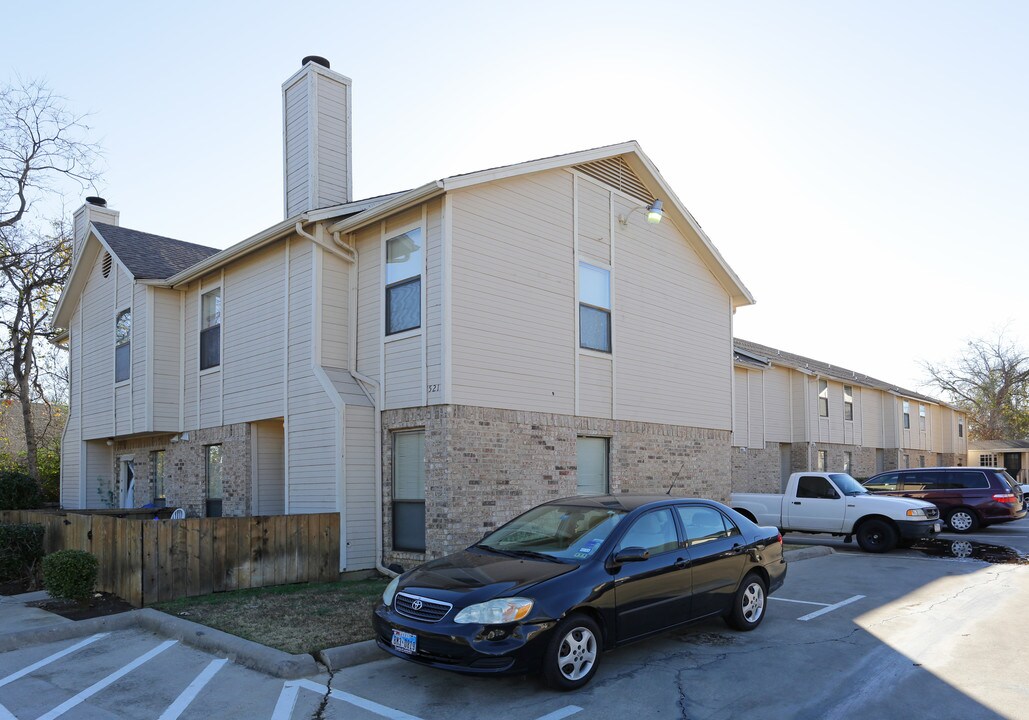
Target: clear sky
[862, 166]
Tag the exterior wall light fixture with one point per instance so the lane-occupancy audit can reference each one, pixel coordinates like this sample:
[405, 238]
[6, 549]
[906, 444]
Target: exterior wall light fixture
[655, 211]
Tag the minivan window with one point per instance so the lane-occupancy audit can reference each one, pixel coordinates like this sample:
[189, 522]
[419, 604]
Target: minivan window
[922, 481]
[889, 481]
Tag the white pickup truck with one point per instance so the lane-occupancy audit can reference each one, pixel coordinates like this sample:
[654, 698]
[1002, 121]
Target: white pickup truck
[836, 503]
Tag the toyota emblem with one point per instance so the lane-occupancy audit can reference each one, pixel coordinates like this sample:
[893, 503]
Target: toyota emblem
[416, 605]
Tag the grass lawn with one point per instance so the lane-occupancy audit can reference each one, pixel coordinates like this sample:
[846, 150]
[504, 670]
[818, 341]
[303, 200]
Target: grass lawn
[300, 618]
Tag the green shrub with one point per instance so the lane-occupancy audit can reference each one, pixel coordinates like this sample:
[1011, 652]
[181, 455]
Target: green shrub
[48, 461]
[21, 547]
[70, 574]
[18, 491]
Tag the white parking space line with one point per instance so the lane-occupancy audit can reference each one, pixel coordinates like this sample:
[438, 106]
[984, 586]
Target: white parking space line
[287, 700]
[190, 693]
[288, 697]
[802, 602]
[47, 660]
[101, 684]
[6, 714]
[562, 713]
[830, 608]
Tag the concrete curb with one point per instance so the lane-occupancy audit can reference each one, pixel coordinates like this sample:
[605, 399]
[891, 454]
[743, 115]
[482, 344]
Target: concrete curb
[350, 655]
[807, 553]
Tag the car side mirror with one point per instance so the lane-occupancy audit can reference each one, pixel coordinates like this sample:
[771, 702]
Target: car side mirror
[631, 554]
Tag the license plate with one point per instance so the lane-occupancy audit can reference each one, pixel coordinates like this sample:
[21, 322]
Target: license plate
[937, 527]
[405, 641]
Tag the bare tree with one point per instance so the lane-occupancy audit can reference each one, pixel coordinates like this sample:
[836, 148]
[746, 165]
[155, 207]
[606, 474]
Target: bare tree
[42, 149]
[990, 381]
[33, 270]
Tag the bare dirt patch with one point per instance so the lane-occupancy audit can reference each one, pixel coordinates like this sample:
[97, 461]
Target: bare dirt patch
[99, 605]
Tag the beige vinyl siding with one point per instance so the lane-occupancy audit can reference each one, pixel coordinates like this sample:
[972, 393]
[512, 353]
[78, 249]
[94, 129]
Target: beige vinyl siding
[369, 303]
[361, 486]
[71, 447]
[332, 142]
[335, 301]
[434, 302]
[595, 386]
[252, 339]
[210, 400]
[673, 341]
[100, 475]
[312, 421]
[741, 410]
[165, 357]
[270, 468]
[96, 353]
[871, 418]
[403, 381]
[512, 292]
[140, 358]
[594, 221]
[778, 427]
[836, 434]
[756, 410]
[191, 357]
[296, 144]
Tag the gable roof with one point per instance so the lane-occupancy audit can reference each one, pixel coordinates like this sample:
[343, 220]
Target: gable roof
[151, 257]
[752, 354]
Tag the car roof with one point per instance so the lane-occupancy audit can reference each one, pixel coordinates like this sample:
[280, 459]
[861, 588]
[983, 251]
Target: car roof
[627, 503]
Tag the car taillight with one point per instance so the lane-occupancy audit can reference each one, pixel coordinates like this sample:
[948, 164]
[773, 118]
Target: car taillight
[1005, 498]
[780, 539]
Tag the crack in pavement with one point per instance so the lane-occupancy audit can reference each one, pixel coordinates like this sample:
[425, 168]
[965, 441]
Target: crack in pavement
[992, 577]
[319, 714]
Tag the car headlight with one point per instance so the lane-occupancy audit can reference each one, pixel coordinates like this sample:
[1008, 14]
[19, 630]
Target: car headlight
[390, 591]
[917, 512]
[495, 612]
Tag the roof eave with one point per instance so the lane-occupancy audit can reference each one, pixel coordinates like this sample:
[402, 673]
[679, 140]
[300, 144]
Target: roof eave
[395, 204]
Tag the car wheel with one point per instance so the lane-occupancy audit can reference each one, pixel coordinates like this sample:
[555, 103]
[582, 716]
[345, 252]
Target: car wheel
[876, 536]
[572, 654]
[748, 605]
[962, 520]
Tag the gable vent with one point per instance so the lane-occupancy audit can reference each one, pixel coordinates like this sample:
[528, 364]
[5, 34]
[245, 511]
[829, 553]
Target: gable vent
[106, 267]
[617, 173]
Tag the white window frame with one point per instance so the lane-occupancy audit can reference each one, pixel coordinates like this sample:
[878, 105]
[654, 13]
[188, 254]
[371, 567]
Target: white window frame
[123, 342]
[907, 415]
[606, 489]
[220, 326]
[608, 311]
[387, 237]
[848, 403]
[823, 398]
[409, 500]
[921, 418]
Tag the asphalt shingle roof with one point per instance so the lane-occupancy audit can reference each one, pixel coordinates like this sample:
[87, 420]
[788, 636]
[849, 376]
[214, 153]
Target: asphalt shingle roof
[799, 362]
[150, 257]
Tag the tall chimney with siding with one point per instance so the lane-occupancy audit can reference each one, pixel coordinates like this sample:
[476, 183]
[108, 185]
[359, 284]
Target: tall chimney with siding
[316, 166]
[94, 210]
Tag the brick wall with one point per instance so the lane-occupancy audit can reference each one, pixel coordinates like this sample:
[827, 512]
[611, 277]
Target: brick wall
[485, 465]
[185, 470]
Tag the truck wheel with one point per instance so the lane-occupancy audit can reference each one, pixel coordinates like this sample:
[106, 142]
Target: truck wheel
[962, 520]
[876, 536]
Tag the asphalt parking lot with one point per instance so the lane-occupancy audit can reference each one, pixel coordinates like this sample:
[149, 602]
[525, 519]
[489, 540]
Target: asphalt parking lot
[850, 635]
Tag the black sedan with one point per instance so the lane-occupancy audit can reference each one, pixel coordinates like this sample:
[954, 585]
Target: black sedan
[554, 587]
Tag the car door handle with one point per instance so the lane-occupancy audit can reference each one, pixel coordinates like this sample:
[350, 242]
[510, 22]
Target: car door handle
[682, 563]
[796, 502]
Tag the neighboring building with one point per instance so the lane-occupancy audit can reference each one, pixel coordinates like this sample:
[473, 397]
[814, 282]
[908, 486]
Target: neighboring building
[48, 421]
[1012, 455]
[794, 413]
[428, 363]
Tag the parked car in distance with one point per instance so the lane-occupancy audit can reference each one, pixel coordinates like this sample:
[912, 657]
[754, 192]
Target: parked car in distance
[968, 497]
[837, 504]
[559, 584]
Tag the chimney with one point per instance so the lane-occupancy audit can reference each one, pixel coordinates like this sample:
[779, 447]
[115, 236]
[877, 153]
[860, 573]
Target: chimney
[316, 166]
[94, 210]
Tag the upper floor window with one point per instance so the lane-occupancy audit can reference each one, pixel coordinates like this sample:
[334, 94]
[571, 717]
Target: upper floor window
[123, 346]
[211, 329]
[594, 308]
[823, 398]
[961, 427]
[921, 418]
[848, 402]
[907, 415]
[404, 282]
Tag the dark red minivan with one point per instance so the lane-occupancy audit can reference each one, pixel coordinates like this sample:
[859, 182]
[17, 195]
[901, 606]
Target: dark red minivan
[968, 497]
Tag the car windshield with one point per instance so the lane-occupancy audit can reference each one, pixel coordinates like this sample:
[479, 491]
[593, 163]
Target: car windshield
[561, 532]
[848, 485]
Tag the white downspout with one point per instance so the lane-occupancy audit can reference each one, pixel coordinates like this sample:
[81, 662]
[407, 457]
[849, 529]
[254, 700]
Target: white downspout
[364, 382]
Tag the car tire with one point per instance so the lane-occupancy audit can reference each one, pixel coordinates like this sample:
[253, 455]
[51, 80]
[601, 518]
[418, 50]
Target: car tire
[963, 520]
[572, 653]
[749, 604]
[876, 536]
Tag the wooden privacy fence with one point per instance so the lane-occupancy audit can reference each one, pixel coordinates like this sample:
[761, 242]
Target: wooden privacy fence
[145, 561]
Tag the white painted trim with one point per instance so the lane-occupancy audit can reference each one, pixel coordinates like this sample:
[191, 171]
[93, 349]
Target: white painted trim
[221, 350]
[576, 349]
[182, 359]
[348, 141]
[148, 399]
[285, 384]
[255, 505]
[446, 315]
[424, 304]
[614, 323]
[83, 455]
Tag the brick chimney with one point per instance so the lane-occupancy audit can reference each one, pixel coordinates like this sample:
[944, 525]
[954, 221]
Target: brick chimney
[94, 210]
[316, 165]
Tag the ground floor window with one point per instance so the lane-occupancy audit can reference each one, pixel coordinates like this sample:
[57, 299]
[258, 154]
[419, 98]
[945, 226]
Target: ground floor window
[847, 462]
[214, 480]
[157, 476]
[592, 473]
[409, 490]
[822, 456]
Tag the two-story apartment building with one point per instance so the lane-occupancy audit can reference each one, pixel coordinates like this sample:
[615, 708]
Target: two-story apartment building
[427, 363]
[794, 413]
